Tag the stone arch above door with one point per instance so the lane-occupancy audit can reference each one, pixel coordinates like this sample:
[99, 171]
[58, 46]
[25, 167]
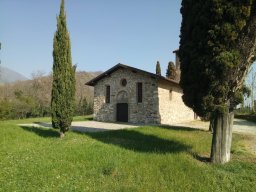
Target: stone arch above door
[122, 97]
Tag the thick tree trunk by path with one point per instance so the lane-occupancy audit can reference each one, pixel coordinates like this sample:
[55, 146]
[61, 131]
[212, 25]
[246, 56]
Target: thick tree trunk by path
[211, 125]
[222, 137]
[62, 134]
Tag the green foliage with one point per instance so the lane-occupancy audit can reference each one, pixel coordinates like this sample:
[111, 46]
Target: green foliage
[6, 109]
[171, 71]
[84, 107]
[158, 68]
[239, 96]
[243, 110]
[33, 97]
[123, 160]
[246, 91]
[63, 86]
[22, 106]
[25, 106]
[213, 59]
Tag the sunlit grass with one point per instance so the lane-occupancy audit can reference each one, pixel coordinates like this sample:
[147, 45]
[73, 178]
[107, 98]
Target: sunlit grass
[142, 159]
[46, 119]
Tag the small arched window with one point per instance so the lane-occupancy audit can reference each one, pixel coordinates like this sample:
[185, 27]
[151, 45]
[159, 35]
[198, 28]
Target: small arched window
[123, 82]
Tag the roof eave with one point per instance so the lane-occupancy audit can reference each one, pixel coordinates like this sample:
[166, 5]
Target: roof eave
[106, 73]
[94, 81]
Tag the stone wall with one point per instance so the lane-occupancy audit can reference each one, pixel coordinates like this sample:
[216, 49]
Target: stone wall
[145, 112]
[171, 107]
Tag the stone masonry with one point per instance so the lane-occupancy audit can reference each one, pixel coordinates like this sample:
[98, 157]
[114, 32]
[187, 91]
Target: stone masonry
[171, 107]
[161, 102]
[145, 112]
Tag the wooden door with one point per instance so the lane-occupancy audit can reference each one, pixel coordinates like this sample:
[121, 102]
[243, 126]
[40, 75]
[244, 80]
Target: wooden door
[122, 112]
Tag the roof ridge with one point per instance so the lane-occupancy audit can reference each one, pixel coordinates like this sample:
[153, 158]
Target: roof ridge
[117, 66]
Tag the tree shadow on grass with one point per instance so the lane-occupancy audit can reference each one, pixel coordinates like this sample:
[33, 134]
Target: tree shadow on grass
[88, 118]
[42, 132]
[137, 141]
[202, 158]
[180, 128]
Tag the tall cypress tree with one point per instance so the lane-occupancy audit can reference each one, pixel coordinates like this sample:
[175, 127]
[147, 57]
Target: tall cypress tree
[158, 68]
[63, 85]
[171, 71]
[217, 47]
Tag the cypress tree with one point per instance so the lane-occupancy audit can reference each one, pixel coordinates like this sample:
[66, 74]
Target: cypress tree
[171, 71]
[217, 47]
[158, 68]
[63, 85]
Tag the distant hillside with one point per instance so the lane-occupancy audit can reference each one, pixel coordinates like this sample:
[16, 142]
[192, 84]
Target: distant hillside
[41, 86]
[9, 76]
[32, 98]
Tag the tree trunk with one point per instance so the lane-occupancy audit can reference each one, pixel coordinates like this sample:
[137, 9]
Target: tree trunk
[211, 125]
[222, 137]
[62, 134]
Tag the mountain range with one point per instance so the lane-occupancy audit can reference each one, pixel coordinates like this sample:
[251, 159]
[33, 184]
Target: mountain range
[9, 76]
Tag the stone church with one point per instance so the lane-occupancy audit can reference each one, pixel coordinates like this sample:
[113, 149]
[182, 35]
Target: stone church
[127, 94]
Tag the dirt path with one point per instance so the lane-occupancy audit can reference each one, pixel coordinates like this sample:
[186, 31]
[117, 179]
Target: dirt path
[240, 126]
[94, 126]
[88, 126]
[243, 126]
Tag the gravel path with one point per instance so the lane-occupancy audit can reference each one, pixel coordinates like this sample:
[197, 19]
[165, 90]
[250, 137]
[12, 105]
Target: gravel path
[94, 126]
[88, 126]
[240, 126]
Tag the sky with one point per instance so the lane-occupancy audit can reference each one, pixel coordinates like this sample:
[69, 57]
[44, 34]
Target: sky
[103, 33]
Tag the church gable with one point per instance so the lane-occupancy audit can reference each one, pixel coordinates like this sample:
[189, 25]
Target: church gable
[138, 91]
[128, 94]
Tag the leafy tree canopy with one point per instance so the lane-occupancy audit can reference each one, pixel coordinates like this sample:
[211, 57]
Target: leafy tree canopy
[216, 49]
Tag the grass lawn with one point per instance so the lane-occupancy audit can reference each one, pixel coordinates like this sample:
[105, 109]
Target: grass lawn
[46, 119]
[142, 159]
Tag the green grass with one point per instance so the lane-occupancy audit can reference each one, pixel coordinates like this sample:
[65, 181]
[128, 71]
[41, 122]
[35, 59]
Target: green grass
[47, 119]
[143, 159]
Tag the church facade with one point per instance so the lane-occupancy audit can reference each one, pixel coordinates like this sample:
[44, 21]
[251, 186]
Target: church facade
[127, 94]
